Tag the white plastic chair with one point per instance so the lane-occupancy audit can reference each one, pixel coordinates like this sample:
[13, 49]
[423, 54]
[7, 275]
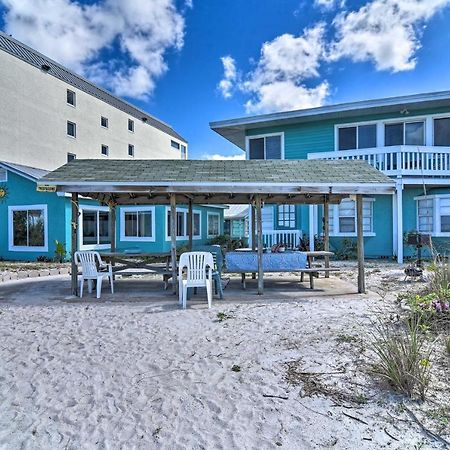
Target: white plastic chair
[90, 263]
[199, 266]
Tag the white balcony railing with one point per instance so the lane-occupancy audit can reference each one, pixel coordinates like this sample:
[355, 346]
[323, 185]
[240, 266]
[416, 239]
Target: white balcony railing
[290, 238]
[398, 160]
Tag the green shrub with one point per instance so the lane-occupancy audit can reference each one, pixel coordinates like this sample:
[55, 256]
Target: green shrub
[227, 242]
[402, 357]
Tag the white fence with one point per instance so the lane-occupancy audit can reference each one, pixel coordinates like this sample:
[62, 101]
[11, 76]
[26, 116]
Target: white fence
[290, 238]
[398, 160]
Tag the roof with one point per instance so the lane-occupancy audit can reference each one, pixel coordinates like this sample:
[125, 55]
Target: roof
[33, 57]
[209, 181]
[236, 212]
[32, 173]
[235, 129]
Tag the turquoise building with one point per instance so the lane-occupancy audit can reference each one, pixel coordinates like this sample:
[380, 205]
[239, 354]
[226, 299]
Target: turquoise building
[31, 222]
[407, 138]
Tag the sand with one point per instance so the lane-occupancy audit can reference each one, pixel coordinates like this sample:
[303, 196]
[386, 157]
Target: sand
[145, 374]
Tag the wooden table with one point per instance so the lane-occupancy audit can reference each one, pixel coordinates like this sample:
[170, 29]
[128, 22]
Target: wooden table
[310, 255]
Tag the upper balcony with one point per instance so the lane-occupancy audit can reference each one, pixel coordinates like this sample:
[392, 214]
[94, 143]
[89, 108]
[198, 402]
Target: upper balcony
[401, 160]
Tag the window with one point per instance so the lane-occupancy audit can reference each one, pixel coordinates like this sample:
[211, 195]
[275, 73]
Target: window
[425, 215]
[3, 175]
[137, 224]
[71, 97]
[442, 132]
[266, 147]
[342, 217]
[444, 214]
[95, 228]
[213, 225]
[130, 150]
[131, 125]
[286, 216]
[404, 133]
[28, 228]
[361, 136]
[71, 129]
[71, 157]
[104, 122]
[183, 152]
[105, 150]
[183, 224]
[175, 144]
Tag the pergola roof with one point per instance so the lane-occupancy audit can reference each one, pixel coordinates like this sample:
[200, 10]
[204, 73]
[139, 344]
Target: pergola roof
[203, 181]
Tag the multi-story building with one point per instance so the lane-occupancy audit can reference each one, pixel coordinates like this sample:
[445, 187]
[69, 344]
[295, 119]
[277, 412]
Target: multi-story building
[50, 115]
[407, 138]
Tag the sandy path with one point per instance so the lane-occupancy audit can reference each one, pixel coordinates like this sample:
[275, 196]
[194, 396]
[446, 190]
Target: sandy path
[145, 375]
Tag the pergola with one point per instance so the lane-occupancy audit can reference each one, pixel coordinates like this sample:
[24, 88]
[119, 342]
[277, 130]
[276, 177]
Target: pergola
[254, 182]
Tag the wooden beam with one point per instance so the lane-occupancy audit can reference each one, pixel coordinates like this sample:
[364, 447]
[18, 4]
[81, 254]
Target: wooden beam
[360, 245]
[326, 233]
[260, 244]
[190, 224]
[74, 243]
[112, 225]
[173, 240]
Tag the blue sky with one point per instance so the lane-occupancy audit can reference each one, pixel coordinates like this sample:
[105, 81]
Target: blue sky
[166, 56]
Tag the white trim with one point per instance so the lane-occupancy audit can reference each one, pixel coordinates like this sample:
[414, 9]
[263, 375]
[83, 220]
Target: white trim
[107, 150]
[107, 122]
[128, 125]
[74, 129]
[126, 209]
[80, 228]
[74, 98]
[11, 246]
[208, 215]
[337, 127]
[259, 136]
[335, 219]
[185, 236]
[399, 221]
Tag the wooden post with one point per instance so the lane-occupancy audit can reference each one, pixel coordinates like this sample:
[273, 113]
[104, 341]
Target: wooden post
[253, 233]
[326, 233]
[360, 237]
[112, 228]
[260, 245]
[74, 243]
[190, 224]
[173, 240]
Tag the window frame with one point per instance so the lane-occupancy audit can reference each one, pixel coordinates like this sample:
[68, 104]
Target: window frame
[183, 150]
[21, 248]
[404, 123]
[74, 104]
[185, 212]
[107, 122]
[97, 246]
[356, 126]
[74, 136]
[285, 227]
[107, 150]
[175, 144]
[334, 217]
[436, 224]
[137, 209]
[265, 135]
[131, 146]
[5, 178]
[210, 214]
[71, 156]
[131, 122]
[433, 118]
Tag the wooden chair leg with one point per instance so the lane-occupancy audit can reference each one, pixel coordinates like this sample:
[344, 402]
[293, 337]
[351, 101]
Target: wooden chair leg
[311, 280]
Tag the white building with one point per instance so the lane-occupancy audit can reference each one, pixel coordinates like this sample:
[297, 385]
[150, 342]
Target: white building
[50, 115]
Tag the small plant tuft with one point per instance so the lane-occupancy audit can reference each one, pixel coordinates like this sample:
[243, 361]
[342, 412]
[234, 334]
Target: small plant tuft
[236, 368]
[447, 345]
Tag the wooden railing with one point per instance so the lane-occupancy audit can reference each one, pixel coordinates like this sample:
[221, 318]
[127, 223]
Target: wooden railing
[398, 160]
[290, 238]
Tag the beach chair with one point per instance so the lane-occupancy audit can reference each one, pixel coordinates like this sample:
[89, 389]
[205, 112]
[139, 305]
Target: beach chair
[93, 268]
[218, 266]
[198, 267]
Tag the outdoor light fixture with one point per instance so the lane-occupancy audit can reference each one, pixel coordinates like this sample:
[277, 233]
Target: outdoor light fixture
[45, 67]
[404, 112]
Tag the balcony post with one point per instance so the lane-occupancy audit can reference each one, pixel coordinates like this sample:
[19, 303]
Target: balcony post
[312, 226]
[399, 220]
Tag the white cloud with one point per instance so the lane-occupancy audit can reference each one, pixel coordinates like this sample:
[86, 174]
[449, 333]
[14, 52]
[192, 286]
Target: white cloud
[218, 157]
[75, 34]
[278, 81]
[228, 81]
[329, 4]
[383, 31]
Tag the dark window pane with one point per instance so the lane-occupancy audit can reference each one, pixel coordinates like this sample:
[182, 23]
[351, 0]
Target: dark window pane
[180, 224]
[175, 144]
[442, 132]
[145, 224]
[273, 147]
[70, 97]
[414, 133]
[103, 226]
[20, 228]
[35, 228]
[104, 122]
[256, 148]
[71, 129]
[347, 224]
[130, 150]
[196, 231]
[367, 136]
[347, 138]
[130, 224]
[393, 134]
[71, 157]
[89, 227]
[445, 224]
[130, 125]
